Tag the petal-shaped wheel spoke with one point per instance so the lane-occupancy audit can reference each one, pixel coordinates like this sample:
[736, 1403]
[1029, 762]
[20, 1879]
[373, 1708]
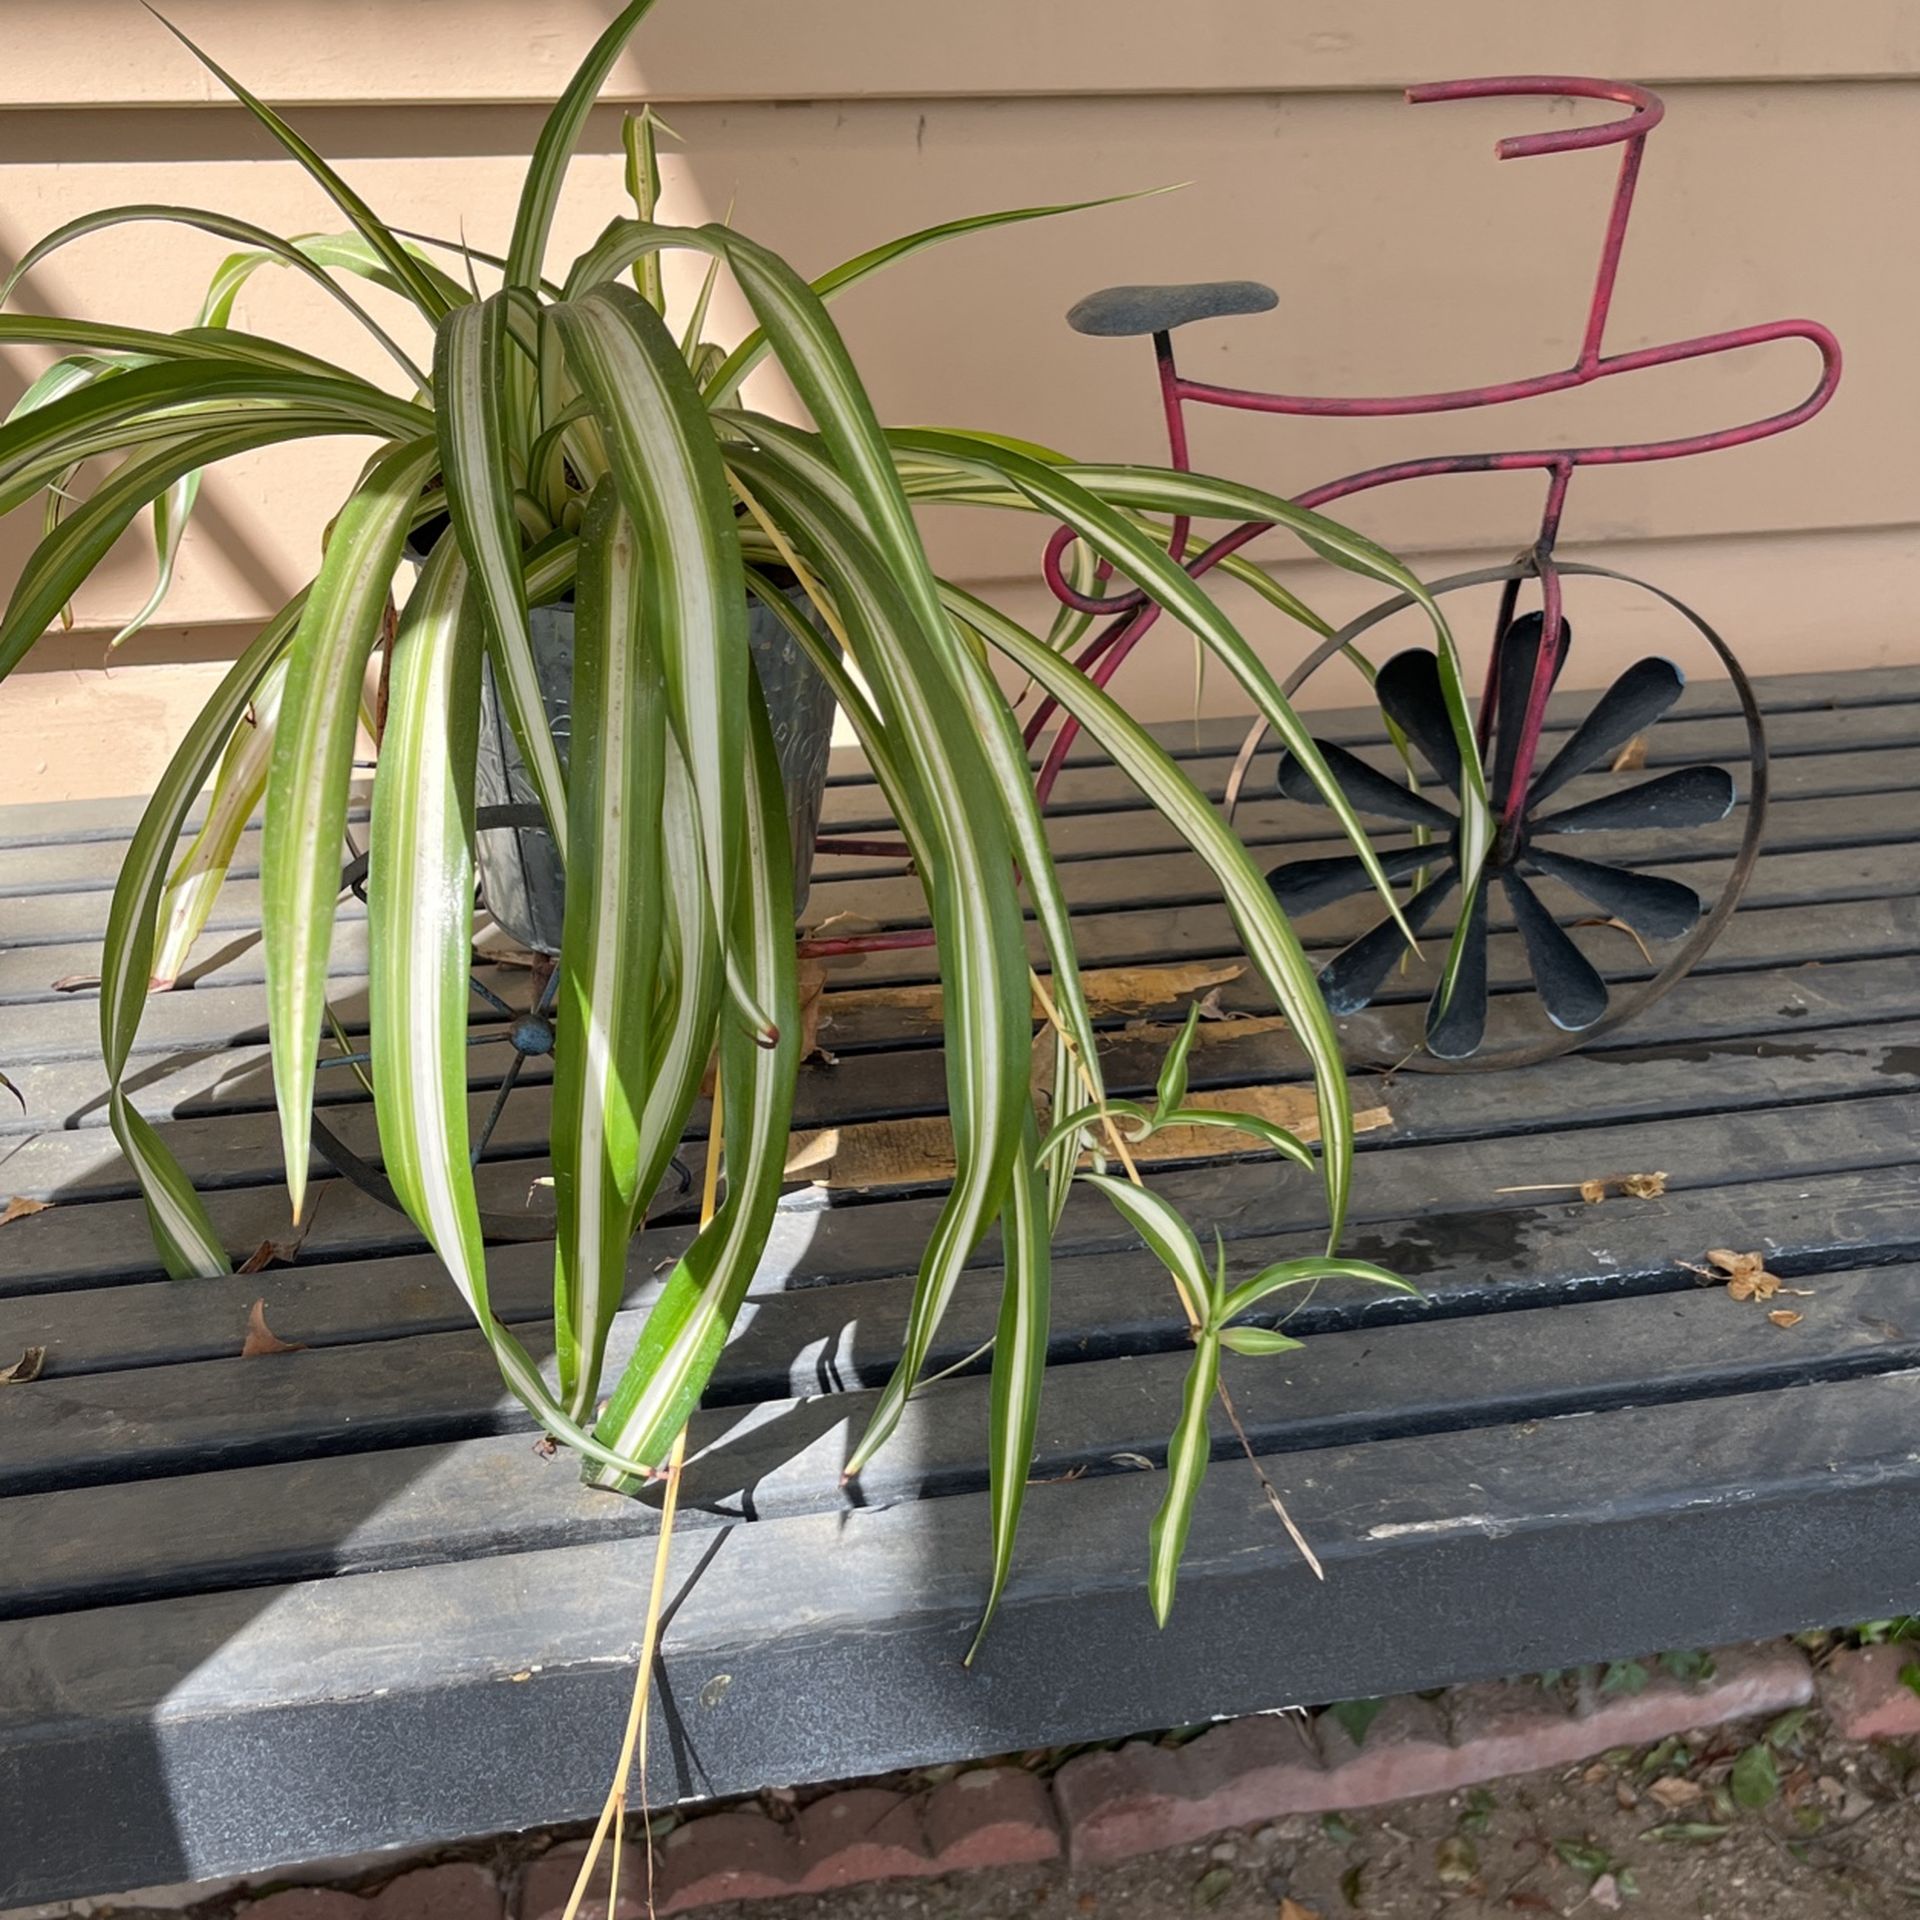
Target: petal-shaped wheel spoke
[1570, 989]
[1301, 886]
[1408, 689]
[1632, 704]
[1654, 908]
[1456, 1032]
[1367, 788]
[1687, 797]
[1356, 974]
[1519, 662]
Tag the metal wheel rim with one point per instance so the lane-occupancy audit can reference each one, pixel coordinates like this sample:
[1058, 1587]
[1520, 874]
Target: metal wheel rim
[1682, 961]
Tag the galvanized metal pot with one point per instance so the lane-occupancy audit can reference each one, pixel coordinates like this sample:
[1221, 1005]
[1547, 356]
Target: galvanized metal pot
[521, 879]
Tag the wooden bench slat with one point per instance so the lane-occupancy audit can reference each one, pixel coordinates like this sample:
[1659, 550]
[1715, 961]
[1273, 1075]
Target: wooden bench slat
[811, 1245]
[1077, 832]
[301, 1510]
[1112, 932]
[1808, 1491]
[1468, 1251]
[232, 1147]
[70, 1020]
[107, 1239]
[43, 919]
[78, 822]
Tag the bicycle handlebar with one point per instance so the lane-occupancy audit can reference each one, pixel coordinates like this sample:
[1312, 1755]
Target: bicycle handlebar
[1648, 109]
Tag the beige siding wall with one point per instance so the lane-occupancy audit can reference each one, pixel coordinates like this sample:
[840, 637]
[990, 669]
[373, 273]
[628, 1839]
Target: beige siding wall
[1405, 256]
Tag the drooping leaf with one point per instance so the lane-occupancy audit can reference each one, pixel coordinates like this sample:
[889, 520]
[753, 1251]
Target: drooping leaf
[1270, 941]
[195, 882]
[688, 1324]
[610, 946]
[311, 769]
[967, 867]
[667, 468]
[1019, 1368]
[472, 404]
[1187, 1455]
[262, 247]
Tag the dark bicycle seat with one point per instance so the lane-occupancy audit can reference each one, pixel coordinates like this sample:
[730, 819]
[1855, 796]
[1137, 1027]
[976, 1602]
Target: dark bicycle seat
[1161, 309]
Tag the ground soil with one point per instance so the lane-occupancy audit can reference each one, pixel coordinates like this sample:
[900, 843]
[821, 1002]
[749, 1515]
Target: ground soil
[1842, 1837]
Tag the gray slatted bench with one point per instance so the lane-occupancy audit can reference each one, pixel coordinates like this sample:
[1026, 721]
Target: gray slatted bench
[255, 1610]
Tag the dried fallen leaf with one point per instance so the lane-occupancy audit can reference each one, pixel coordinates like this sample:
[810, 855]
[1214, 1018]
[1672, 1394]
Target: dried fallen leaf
[26, 1368]
[1605, 1892]
[261, 1338]
[1785, 1317]
[20, 1206]
[810, 976]
[1631, 757]
[15, 1091]
[258, 1260]
[1747, 1275]
[75, 982]
[1636, 1186]
[1293, 1910]
[1673, 1792]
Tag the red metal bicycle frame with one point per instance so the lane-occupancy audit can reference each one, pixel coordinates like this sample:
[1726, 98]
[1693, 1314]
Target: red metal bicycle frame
[1135, 614]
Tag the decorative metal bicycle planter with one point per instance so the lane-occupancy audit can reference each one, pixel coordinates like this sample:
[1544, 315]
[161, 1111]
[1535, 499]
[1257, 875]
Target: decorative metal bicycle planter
[1526, 655]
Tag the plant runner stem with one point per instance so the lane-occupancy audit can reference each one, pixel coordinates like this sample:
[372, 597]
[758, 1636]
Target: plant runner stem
[613, 1814]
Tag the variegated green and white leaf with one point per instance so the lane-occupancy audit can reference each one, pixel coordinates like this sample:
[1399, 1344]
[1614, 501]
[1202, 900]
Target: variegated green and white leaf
[967, 867]
[183, 1232]
[667, 468]
[1309, 1272]
[547, 170]
[195, 882]
[1265, 1131]
[472, 401]
[1270, 940]
[263, 248]
[1168, 1237]
[312, 766]
[68, 555]
[418, 286]
[420, 913]
[689, 1323]
[609, 954]
[1019, 1366]
[1188, 1453]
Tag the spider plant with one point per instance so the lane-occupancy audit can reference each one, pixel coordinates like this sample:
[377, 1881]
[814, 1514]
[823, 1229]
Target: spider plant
[578, 447]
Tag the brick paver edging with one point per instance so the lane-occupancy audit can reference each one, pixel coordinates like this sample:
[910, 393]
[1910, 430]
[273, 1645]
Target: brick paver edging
[1142, 1797]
